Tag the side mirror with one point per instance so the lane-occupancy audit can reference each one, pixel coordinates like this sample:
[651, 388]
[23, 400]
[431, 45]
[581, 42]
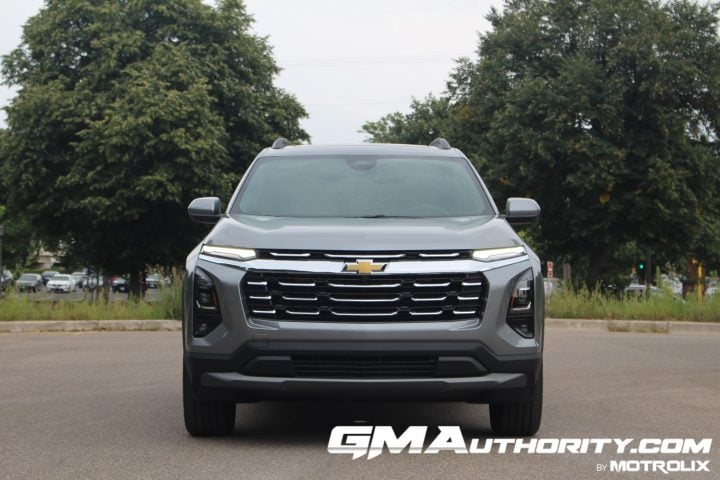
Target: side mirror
[519, 211]
[204, 210]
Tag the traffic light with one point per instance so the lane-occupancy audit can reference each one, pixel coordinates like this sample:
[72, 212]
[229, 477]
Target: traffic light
[641, 266]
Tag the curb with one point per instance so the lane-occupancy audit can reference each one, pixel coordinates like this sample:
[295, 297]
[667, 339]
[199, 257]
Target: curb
[646, 326]
[29, 326]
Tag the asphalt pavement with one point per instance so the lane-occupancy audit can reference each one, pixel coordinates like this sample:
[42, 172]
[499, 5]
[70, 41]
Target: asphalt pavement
[108, 405]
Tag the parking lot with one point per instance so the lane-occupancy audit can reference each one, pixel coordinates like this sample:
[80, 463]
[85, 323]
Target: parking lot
[108, 405]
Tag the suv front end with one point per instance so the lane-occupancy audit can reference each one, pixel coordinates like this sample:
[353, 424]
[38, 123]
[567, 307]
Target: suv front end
[363, 306]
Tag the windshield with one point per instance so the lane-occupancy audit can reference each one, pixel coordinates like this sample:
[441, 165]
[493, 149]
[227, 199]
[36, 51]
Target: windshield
[28, 277]
[61, 278]
[362, 186]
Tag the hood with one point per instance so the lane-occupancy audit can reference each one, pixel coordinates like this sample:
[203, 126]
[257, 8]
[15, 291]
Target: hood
[369, 234]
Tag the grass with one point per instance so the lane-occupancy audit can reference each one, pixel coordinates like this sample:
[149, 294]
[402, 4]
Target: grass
[587, 304]
[167, 306]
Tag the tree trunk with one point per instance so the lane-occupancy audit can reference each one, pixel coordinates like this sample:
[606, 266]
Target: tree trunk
[106, 289]
[598, 264]
[137, 285]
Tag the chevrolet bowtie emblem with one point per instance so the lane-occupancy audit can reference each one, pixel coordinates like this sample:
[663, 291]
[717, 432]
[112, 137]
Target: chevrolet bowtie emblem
[364, 267]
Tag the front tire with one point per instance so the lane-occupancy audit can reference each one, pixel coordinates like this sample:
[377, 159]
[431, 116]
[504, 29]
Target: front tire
[206, 419]
[521, 419]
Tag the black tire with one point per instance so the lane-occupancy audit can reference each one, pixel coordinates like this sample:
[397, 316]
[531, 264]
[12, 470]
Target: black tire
[520, 419]
[206, 419]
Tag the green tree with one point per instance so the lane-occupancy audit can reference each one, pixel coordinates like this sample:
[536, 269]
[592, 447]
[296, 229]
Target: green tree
[18, 244]
[605, 112]
[128, 110]
[427, 120]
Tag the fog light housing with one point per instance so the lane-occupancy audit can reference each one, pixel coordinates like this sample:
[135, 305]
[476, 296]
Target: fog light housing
[206, 309]
[521, 310]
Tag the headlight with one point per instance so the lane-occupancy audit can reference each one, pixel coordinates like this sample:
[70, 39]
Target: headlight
[206, 309]
[495, 254]
[521, 310]
[233, 253]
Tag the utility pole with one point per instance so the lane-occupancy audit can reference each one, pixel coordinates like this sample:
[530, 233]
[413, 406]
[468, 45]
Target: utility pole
[699, 283]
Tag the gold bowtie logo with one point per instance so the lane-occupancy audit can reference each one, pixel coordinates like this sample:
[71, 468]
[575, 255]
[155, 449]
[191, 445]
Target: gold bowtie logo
[364, 267]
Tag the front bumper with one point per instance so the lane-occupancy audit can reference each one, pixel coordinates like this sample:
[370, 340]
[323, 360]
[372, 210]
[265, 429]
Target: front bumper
[466, 371]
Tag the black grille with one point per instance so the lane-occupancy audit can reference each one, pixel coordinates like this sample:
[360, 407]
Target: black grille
[364, 298]
[364, 367]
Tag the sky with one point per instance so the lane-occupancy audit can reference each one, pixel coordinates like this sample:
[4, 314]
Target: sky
[347, 61]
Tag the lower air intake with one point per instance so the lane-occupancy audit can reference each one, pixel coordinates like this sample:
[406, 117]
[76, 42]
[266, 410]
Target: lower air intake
[364, 367]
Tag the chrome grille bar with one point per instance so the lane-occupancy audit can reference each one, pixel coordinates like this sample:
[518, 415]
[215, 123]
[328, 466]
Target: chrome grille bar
[295, 284]
[365, 300]
[299, 299]
[429, 299]
[419, 314]
[361, 285]
[298, 312]
[354, 314]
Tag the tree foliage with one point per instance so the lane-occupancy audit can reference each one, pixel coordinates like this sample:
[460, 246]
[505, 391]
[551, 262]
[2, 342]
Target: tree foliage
[607, 113]
[427, 120]
[18, 244]
[129, 109]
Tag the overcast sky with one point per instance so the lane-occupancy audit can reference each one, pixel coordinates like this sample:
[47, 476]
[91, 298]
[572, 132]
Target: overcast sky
[346, 61]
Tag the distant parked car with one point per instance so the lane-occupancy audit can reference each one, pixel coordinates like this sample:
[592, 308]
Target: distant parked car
[61, 284]
[6, 279]
[47, 275]
[154, 281]
[94, 282]
[714, 290]
[79, 278]
[672, 282]
[120, 285]
[637, 290]
[29, 282]
[551, 285]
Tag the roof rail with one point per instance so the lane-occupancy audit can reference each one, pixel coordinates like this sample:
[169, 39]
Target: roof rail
[440, 143]
[280, 143]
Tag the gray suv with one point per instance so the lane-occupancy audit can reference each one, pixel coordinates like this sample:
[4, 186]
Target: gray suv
[362, 272]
